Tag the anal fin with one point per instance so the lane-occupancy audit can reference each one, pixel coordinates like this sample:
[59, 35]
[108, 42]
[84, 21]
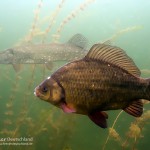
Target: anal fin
[135, 109]
[99, 118]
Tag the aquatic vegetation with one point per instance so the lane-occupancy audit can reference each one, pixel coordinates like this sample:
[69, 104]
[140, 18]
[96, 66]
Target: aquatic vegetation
[135, 130]
[71, 16]
[122, 32]
[22, 115]
[133, 134]
[20, 121]
[35, 31]
[114, 134]
[55, 14]
[36, 18]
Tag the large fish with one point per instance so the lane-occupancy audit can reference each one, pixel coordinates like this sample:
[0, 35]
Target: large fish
[105, 79]
[45, 53]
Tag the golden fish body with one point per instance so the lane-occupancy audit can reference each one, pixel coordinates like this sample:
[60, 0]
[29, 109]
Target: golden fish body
[105, 79]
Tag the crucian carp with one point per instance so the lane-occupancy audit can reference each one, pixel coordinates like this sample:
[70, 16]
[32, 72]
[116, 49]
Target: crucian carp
[105, 79]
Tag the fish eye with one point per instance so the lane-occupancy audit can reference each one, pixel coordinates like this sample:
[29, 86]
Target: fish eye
[44, 89]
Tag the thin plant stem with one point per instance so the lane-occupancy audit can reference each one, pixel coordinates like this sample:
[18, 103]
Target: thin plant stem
[112, 127]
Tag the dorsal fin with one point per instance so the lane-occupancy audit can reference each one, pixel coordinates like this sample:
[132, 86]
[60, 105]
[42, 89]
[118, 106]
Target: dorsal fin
[79, 40]
[113, 55]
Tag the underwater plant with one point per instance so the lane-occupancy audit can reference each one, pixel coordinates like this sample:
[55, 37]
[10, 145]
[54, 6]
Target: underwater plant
[23, 116]
[122, 32]
[54, 15]
[71, 16]
[133, 134]
[36, 18]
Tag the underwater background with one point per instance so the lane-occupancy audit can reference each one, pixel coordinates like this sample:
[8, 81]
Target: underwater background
[26, 118]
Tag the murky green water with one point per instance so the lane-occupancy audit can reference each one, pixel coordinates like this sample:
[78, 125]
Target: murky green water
[28, 120]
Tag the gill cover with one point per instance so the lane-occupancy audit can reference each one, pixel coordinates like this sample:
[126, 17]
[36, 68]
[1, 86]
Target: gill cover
[56, 91]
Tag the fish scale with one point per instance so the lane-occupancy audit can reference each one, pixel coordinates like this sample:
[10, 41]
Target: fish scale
[103, 80]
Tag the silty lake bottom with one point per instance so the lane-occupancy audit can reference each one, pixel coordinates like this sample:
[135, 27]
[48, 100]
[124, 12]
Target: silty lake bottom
[29, 123]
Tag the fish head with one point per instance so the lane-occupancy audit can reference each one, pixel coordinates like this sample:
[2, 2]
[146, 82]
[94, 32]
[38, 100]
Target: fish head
[6, 56]
[50, 90]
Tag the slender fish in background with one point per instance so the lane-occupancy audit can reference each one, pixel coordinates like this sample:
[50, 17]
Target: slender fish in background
[45, 53]
[105, 79]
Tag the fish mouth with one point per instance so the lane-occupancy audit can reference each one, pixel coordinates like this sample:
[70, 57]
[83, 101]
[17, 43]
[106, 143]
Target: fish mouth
[37, 93]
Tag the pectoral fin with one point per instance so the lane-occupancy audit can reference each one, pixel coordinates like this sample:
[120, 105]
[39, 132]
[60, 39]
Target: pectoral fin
[99, 118]
[67, 108]
[135, 109]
